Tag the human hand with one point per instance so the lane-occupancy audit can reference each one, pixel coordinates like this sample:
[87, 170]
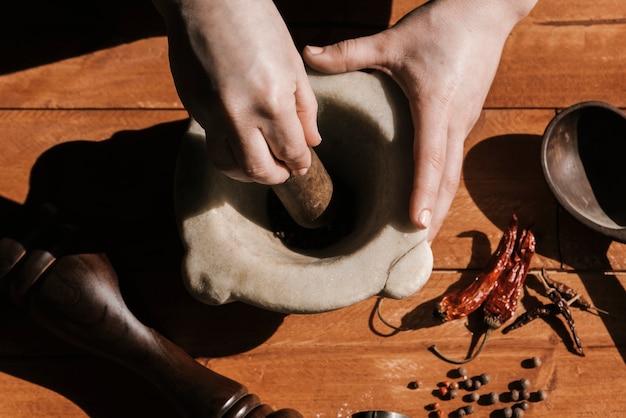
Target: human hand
[444, 56]
[240, 76]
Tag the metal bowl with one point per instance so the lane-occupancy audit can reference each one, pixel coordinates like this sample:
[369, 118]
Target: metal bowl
[583, 156]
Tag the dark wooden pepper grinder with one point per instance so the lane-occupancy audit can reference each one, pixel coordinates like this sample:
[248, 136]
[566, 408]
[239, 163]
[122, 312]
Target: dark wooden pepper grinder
[72, 290]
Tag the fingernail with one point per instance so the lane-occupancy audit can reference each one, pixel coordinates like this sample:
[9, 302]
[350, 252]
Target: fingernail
[315, 50]
[424, 218]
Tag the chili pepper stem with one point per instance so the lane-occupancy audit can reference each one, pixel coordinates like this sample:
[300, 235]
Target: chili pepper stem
[439, 354]
[379, 303]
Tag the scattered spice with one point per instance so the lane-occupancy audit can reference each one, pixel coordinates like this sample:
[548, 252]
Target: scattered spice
[493, 398]
[524, 383]
[485, 378]
[474, 397]
[559, 305]
[541, 395]
[514, 395]
[569, 293]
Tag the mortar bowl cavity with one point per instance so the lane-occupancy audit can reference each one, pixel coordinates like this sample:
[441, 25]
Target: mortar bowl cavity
[236, 250]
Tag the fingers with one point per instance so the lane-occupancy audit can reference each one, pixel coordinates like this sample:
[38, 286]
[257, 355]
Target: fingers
[438, 157]
[348, 55]
[268, 142]
[429, 153]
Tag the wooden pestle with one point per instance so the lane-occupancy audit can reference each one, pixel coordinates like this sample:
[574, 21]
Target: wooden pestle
[308, 198]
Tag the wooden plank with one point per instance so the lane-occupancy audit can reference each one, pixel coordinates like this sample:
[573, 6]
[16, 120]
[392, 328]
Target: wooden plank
[26, 134]
[80, 386]
[562, 54]
[101, 79]
[557, 56]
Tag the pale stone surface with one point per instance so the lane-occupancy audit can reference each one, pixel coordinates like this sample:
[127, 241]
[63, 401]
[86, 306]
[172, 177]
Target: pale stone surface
[232, 252]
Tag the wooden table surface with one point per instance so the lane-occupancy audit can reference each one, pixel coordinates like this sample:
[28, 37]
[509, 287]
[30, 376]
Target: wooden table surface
[89, 116]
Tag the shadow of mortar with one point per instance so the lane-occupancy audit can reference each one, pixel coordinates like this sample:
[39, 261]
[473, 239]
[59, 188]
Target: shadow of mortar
[119, 192]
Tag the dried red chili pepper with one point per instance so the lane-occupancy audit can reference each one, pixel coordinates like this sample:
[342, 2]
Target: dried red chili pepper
[462, 302]
[501, 302]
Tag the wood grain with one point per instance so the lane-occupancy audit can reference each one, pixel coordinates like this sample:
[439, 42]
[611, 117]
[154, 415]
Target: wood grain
[336, 363]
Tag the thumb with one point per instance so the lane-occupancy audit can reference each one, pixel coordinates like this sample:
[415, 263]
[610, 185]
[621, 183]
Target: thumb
[348, 55]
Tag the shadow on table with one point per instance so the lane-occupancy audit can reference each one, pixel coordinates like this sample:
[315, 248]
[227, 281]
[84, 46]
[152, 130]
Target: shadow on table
[503, 176]
[119, 191]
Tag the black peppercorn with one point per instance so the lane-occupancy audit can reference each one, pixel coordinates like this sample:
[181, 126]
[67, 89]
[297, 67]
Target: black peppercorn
[507, 412]
[518, 413]
[515, 395]
[523, 405]
[469, 409]
[536, 361]
[469, 384]
[493, 398]
[541, 395]
[485, 378]
[524, 383]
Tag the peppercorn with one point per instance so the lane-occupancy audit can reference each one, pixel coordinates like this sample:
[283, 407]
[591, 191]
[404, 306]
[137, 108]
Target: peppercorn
[525, 395]
[518, 413]
[443, 391]
[433, 406]
[541, 395]
[507, 412]
[524, 383]
[469, 409]
[469, 384]
[476, 384]
[460, 412]
[474, 397]
[523, 405]
[515, 395]
[462, 372]
[536, 361]
[454, 386]
[414, 385]
[452, 394]
[485, 378]
[493, 398]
